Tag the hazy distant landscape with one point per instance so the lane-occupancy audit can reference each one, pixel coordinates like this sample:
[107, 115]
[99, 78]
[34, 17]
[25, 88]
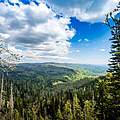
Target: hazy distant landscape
[57, 72]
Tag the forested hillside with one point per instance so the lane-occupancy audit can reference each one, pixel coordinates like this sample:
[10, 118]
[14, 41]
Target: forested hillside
[88, 68]
[48, 91]
[31, 97]
[55, 73]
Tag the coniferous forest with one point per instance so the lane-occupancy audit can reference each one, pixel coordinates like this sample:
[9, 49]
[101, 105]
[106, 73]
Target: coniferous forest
[52, 91]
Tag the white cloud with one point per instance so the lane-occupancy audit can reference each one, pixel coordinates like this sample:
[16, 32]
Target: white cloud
[86, 40]
[4, 36]
[79, 40]
[34, 31]
[86, 10]
[77, 51]
[115, 1]
[2, 20]
[102, 50]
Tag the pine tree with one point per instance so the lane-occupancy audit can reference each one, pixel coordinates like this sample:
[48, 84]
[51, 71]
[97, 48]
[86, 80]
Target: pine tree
[59, 115]
[68, 111]
[34, 111]
[114, 66]
[101, 104]
[77, 113]
[16, 114]
[34, 116]
[41, 118]
[88, 111]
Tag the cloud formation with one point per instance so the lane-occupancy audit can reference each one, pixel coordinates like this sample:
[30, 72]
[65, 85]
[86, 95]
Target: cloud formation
[86, 10]
[102, 50]
[35, 31]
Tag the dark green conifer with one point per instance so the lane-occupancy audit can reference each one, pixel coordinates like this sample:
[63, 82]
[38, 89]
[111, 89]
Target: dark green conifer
[89, 111]
[77, 112]
[113, 21]
[68, 111]
[59, 115]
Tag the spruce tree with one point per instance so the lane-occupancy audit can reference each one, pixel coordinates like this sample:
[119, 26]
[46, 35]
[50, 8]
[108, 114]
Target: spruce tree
[77, 112]
[59, 115]
[68, 111]
[41, 118]
[16, 115]
[89, 111]
[113, 21]
[101, 103]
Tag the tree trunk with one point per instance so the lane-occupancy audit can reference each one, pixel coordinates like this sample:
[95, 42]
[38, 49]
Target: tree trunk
[1, 92]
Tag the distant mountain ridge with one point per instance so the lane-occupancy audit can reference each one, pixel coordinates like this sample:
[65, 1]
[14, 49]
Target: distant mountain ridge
[88, 68]
[96, 69]
[50, 74]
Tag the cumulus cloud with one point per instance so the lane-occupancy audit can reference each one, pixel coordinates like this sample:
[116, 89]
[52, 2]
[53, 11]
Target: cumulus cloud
[35, 31]
[4, 36]
[86, 10]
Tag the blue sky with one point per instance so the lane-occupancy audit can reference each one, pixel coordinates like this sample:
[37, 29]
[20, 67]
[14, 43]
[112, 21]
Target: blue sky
[57, 31]
[91, 42]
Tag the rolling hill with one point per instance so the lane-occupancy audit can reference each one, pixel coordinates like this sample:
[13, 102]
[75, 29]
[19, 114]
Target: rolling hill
[55, 73]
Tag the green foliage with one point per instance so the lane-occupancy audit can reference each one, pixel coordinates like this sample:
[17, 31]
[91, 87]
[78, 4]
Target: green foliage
[114, 67]
[33, 101]
[89, 111]
[16, 115]
[102, 96]
[68, 111]
[77, 110]
[50, 73]
[41, 118]
[59, 115]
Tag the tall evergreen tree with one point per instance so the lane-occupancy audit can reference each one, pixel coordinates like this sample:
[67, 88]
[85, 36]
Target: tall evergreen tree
[59, 115]
[88, 111]
[102, 94]
[68, 111]
[77, 112]
[16, 115]
[113, 21]
[41, 118]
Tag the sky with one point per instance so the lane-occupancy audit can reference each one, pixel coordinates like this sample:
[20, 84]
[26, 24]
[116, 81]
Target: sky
[57, 30]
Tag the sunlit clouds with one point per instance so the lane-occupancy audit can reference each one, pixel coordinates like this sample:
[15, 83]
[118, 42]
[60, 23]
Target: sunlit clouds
[35, 31]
